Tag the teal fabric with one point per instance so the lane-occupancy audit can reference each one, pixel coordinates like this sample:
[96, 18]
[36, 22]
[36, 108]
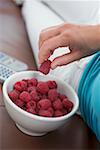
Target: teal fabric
[89, 94]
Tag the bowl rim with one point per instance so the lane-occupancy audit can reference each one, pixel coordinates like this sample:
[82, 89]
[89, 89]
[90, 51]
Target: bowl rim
[33, 116]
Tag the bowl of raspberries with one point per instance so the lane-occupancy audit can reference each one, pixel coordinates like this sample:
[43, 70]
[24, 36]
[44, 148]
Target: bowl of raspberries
[38, 103]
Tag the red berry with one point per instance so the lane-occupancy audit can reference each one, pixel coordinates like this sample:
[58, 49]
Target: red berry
[62, 96]
[51, 110]
[37, 110]
[20, 86]
[58, 113]
[52, 94]
[31, 88]
[64, 111]
[40, 95]
[44, 96]
[25, 80]
[45, 113]
[19, 103]
[44, 104]
[31, 110]
[17, 86]
[45, 67]
[31, 104]
[57, 104]
[32, 82]
[34, 95]
[42, 87]
[25, 96]
[67, 104]
[14, 94]
[52, 84]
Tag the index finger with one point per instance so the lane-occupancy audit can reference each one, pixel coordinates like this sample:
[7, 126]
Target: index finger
[50, 45]
[48, 33]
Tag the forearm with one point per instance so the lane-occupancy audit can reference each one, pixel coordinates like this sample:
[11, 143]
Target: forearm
[91, 36]
[97, 37]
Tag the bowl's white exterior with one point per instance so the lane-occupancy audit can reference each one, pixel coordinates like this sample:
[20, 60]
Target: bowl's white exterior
[33, 124]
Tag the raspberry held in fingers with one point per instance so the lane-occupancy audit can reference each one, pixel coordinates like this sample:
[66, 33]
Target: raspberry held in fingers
[45, 67]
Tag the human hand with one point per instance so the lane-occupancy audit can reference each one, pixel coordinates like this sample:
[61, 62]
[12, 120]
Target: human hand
[81, 40]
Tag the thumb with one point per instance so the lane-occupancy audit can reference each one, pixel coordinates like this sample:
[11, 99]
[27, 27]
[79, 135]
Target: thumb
[65, 59]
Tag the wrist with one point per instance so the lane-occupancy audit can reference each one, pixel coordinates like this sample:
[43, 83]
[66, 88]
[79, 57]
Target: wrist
[95, 37]
[91, 36]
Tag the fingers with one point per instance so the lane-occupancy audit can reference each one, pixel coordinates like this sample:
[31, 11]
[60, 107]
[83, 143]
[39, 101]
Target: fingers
[48, 33]
[52, 31]
[53, 38]
[65, 59]
[50, 45]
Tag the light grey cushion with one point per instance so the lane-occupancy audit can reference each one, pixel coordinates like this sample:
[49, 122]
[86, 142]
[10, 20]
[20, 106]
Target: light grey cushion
[76, 11]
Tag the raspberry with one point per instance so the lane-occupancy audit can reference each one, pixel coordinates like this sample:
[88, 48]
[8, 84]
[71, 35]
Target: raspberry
[45, 67]
[42, 87]
[34, 95]
[64, 111]
[20, 86]
[51, 110]
[58, 113]
[44, 96]
[24, 107]
[67, 104]
[45, 113]
[62, 96]
[25, 96]
[44, 104]
[40, 95]
[31, 104]
[57, 104]
[37, 110]
[19, 103]
[31, 88]
[25, 80]
[14, 94]
[32, 82]
[52, 94]
[52, 84]
[31, 110]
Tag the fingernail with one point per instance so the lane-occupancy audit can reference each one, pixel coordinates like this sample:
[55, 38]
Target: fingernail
[53, 67]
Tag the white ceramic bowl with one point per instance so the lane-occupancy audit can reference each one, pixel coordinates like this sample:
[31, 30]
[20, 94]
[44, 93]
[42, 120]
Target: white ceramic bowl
[32, 124]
